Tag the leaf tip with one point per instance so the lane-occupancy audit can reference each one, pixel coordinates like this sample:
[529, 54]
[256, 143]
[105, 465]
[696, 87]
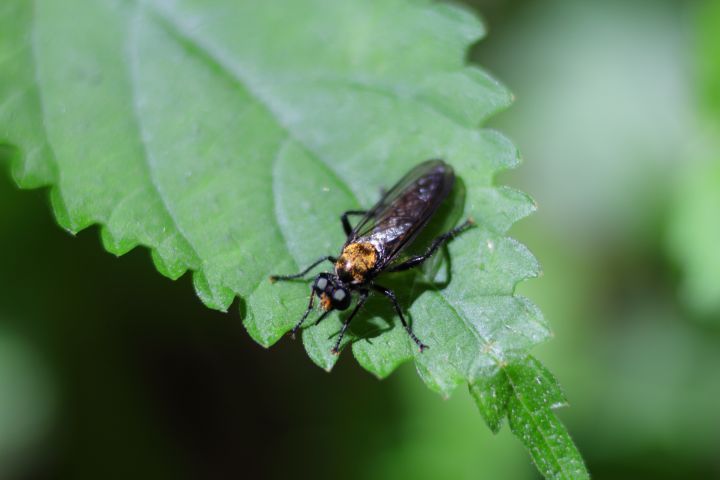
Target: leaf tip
[213, 296]
[167, 265]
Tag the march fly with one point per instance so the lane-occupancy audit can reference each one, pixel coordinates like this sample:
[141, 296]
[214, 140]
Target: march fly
[374, 245]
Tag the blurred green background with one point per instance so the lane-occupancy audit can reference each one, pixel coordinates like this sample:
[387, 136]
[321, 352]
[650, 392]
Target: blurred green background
[108, 370]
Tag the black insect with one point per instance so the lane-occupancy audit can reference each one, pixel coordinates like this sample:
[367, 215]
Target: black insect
[374, 244]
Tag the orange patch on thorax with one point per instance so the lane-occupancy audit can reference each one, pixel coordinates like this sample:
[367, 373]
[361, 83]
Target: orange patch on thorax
[356, 260]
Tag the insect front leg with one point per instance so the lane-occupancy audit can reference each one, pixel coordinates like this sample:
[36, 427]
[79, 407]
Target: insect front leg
[307, 312]
[275, 278]
[361, 301]
[413, 262]
[322, 317]
[346, 223]
[391, 295]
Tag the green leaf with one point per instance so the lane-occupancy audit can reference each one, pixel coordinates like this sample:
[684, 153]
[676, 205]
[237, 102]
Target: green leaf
[708, 57]
[526, 392]
[694, 230]
[227, 137]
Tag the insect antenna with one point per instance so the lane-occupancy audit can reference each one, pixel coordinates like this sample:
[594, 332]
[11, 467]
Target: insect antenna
[275, 278]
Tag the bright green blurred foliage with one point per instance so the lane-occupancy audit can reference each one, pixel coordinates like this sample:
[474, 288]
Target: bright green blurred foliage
[607, 120]
[607, 116]
[707, 57]
[694, 234]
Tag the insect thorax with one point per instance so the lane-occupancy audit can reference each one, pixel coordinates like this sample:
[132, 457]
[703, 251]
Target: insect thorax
[356, 260]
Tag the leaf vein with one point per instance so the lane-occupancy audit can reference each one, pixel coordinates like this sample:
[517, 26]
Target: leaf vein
[518, 397]
[175, 27]
[132, 52]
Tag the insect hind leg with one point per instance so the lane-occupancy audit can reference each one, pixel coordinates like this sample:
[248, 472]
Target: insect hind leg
[276, 278]
[393, 299]
[417, 260]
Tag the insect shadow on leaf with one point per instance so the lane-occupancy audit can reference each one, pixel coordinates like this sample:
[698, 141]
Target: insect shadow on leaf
[399, 234]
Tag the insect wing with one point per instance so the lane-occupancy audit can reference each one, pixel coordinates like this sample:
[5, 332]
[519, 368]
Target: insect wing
[402, 212]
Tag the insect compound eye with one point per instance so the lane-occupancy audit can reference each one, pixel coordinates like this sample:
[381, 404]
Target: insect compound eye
[321, 284]
[341, 299]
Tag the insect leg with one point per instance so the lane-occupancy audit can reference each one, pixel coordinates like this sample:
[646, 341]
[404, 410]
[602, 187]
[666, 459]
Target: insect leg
[346, 223]
[307, 311]
[322, 317]
[437, 243]
[363, 296]
[275, 278]
[391, 295]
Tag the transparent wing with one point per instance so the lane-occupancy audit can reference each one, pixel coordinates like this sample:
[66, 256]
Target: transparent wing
[404, 210]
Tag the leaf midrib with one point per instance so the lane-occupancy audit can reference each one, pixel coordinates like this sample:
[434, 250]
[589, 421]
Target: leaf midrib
[517, 395]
